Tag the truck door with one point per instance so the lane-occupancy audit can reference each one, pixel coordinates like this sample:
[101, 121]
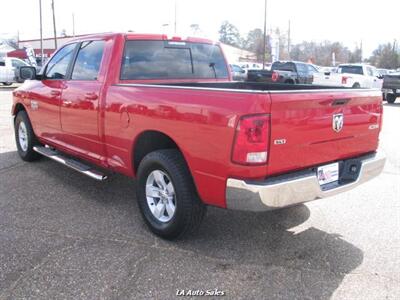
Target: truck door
[45, 98]
[373, 80]
[80, 102]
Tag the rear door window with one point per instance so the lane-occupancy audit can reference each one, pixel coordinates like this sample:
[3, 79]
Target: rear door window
[351, 69]
[302, 69]
[88, 61]
[172, 60]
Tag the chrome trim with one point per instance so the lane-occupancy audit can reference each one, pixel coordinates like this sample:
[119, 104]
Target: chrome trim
[284, 91]
[293, 188]
[191, 88]
[94, 174]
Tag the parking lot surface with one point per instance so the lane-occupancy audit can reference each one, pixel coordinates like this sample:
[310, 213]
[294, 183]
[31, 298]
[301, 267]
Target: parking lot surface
[63, 235]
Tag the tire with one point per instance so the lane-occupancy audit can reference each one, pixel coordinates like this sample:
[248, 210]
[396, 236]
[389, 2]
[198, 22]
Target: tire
[171, 170]
[25, 145]
[7, 83]
[289, 82]
[356, 86]
[390, 98]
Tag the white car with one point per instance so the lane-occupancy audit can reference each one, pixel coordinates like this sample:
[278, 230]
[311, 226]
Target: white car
[8, 67]
[351, 75]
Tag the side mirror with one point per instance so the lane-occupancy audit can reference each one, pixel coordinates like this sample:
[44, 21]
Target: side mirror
[242, 71]
[27, 73]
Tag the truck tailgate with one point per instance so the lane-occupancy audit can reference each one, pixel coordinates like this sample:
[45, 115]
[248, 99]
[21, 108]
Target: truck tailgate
[304, 133]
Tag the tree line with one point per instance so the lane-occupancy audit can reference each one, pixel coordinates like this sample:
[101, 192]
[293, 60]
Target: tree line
[320, 53]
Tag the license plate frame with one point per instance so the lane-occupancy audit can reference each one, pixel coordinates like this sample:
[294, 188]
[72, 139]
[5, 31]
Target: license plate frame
[328, 173]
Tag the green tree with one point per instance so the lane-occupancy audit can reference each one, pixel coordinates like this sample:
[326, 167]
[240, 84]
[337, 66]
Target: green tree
[385, 56]
[320, 53]
[229, 34]
[254, 42]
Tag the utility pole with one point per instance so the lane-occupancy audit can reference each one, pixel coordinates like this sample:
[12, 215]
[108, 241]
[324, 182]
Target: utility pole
[288, 43]
[361, 51]
[73, 24]
[54, 24]
[265, 32]
[41, 34]
[175, 19]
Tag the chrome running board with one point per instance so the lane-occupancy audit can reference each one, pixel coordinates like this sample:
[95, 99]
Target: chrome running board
[70, 162]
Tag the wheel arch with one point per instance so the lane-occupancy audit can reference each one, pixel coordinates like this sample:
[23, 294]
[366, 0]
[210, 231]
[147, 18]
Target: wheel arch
[148, 141]
[17, 108]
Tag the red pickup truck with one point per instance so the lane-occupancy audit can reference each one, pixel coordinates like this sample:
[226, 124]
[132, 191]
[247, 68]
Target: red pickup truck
[164, 110]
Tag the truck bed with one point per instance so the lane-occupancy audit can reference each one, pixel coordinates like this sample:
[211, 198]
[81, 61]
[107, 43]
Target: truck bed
[301, 116]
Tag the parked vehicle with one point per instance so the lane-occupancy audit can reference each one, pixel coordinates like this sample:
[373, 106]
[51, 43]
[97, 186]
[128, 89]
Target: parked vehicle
[238, 73]
[166, 112]
[250, 65]
[9, 67]
[383, 72]
[351, 75]
[391, 87]
[291, 72]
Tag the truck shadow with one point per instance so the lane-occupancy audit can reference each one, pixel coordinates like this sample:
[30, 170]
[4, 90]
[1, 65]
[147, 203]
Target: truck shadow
[280, 253]
[290, 257]
[392, 104]
[8, 88]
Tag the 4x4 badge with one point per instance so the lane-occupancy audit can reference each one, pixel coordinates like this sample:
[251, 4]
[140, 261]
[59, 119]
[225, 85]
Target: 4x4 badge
[337, 122]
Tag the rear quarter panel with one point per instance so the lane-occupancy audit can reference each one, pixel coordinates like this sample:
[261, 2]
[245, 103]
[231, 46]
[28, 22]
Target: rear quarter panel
[201, 122]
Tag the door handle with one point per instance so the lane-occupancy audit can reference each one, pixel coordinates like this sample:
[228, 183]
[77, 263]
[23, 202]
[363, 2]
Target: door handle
[55, 93]
[91, 96]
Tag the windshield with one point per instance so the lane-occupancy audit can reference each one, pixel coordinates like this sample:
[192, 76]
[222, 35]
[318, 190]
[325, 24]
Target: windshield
[172, 60]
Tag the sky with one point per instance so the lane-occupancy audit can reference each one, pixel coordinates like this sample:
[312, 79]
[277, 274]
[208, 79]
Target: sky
[348, 21]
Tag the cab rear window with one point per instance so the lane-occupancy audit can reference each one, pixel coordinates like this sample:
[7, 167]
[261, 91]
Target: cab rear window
[172, 60]
[351, 69]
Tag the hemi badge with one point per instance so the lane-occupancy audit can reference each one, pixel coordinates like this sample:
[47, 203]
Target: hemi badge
[280, 142]
[373, 126]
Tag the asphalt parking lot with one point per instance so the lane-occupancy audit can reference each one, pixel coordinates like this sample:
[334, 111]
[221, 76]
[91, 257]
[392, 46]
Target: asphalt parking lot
[63, 235]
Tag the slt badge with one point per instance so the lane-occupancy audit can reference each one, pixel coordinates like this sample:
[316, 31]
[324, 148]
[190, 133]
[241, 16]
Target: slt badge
[337, 122]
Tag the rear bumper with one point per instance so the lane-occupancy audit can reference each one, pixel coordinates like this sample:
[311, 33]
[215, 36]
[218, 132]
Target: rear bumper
[294, 188]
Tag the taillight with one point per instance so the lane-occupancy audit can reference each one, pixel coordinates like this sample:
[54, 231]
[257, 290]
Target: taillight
[251, 140]
[275, 76]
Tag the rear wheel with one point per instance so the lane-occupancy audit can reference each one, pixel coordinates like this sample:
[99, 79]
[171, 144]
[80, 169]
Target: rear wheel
[390, 98]
[167, 196]
[25, 137]
[7, 83]
[356, 86]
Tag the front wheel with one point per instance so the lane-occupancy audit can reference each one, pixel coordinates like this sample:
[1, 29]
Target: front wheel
[7, 83]
[167, 196]
[25, 137]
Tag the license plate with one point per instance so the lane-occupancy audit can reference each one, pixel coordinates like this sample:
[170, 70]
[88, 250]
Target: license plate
[328, 173]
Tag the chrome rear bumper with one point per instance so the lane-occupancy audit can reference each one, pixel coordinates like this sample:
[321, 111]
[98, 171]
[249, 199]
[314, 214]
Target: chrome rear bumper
[294, 188]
